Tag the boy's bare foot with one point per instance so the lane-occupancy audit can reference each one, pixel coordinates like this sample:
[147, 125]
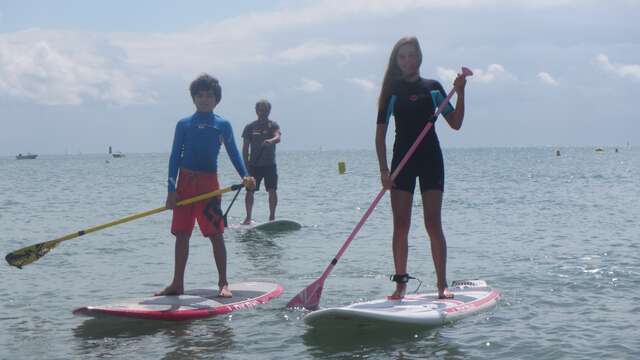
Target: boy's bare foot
[224, 292]
[399, 293]
[171, 290]
[271, 218]
[445, 294]
[246, 221]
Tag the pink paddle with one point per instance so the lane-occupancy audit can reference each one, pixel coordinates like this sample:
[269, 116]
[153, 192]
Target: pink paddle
[309, 298]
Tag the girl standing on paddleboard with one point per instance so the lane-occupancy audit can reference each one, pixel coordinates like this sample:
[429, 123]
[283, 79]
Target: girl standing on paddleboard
[412, 100]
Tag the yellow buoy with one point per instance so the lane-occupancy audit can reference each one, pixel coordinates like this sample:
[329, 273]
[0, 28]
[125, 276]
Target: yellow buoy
[342, 167]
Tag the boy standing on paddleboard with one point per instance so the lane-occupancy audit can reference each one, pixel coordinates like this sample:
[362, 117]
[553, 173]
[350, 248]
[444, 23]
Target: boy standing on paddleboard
[259, 152]
[193, 166]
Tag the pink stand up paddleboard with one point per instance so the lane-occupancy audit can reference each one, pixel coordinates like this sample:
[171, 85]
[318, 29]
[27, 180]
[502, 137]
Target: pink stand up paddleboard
[194, 304]
[422, 310]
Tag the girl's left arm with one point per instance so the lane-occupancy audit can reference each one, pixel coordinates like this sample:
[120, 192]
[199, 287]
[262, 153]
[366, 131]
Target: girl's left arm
[456, 117]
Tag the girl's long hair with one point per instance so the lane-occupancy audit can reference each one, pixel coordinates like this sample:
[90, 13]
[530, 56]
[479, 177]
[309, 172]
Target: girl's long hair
[393, 71]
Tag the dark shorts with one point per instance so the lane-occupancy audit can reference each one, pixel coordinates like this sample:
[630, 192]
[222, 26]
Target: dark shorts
[191, 184]
[427, 167]
[269, 173]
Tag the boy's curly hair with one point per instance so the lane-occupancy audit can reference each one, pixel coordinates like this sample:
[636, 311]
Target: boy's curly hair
[206, 82]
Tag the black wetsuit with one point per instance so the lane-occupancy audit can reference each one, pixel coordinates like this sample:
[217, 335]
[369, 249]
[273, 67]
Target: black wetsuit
[262, 161]
[412, 105]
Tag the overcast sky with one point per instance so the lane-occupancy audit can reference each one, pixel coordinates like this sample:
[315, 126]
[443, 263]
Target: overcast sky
[77, 76]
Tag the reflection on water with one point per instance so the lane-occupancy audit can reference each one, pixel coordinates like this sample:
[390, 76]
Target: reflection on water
[553, 233]
[114, 327]
[388, 341]
[112, 336]
[262, 249]
[201, 342]
[259, 237]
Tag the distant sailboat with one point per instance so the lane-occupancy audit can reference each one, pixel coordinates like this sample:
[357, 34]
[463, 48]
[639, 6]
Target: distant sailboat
[27, 156]
[116, 154]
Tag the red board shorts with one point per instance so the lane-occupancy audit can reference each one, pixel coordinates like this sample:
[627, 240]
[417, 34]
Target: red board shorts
[191, 184]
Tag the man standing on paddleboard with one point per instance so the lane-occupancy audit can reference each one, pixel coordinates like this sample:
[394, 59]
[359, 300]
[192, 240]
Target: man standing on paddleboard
[193, 167]
[259, 152]
[412, 100]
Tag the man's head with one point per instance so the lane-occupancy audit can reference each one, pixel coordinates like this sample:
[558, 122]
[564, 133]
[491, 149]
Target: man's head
[263, 109]
[205, 92]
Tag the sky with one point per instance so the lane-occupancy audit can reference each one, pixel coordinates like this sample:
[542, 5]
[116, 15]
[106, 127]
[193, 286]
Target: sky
[78, 76]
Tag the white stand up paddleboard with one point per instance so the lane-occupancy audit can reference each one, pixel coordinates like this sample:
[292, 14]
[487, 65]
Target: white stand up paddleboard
[470, 296]
[270, 226]
[194, 304]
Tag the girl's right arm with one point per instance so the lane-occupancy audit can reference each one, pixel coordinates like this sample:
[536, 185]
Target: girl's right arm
[381, 151]
[384, 114]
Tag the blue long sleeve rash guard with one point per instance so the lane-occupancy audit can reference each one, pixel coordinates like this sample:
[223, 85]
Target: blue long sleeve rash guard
[196, 146]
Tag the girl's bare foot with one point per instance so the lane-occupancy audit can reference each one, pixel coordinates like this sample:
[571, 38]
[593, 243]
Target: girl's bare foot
[399, 293]
[445, 294]
[224, 292]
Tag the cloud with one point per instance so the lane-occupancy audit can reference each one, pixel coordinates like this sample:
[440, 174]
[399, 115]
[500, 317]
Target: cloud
[446, 75]
[364, 84]
[546, 78]
[310, 86]
[313, 50]
[62, 69]
[623, 70]
[494, 72]
[247, 39]
[58, 67]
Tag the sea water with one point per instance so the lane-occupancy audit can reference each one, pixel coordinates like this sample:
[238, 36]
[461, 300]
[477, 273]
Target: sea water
[559, 236]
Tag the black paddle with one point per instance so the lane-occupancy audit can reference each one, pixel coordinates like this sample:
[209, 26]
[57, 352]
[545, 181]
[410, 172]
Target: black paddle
[229, 207]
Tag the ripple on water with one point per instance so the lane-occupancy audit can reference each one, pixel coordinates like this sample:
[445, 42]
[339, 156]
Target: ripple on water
[562, 251]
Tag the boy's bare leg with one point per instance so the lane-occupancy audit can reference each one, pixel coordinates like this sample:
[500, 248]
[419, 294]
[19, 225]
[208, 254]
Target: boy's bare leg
[181, 255]
[220, 256]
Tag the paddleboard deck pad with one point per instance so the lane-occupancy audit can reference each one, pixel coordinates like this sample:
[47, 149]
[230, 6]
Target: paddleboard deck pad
[193, 304]
[470, 297]
[274, 225]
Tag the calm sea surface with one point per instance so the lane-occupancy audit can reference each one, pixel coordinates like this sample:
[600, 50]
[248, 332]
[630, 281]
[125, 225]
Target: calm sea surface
[559, 236]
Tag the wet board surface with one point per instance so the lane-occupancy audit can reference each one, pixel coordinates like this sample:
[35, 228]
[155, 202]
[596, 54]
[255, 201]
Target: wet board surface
[194, 304]
[275, 225]
[470, 297]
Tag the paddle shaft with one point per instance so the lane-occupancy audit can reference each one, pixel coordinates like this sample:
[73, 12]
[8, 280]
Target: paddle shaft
[309, 297]
[147, 213]
[229, 207]
[395, 173]
[34, 252]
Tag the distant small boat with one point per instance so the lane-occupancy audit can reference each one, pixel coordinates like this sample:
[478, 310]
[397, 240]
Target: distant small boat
[28, 156]
[599, 149]
[117, 154]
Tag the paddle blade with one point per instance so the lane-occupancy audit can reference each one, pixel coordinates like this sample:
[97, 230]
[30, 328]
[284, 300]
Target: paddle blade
[309, 298]
[29, 254]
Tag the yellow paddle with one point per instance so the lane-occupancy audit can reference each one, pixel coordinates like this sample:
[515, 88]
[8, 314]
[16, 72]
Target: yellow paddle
[29, 254]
